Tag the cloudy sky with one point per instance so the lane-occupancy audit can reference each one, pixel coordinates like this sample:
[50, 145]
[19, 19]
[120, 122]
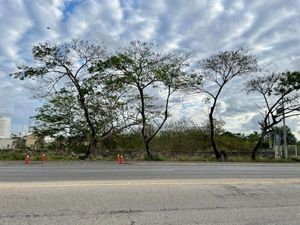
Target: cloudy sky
[269, 28]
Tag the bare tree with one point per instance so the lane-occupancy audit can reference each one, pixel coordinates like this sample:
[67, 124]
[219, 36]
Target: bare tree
[217, 71]
[280, 93]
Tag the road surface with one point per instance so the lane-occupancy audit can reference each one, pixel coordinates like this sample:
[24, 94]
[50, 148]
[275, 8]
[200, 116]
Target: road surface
[95, 170]
[88, 193]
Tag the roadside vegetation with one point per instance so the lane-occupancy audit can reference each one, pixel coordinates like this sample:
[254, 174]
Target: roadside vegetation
[182, 141]
[99, 103]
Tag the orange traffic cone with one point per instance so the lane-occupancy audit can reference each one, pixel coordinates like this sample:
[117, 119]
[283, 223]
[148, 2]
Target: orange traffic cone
[27, 159]
[118, 159]
[43, 157]
[121, 159]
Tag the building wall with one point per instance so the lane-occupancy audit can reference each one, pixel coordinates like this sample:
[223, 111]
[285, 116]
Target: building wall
[32, 141]
[6, 143]
[5, 127]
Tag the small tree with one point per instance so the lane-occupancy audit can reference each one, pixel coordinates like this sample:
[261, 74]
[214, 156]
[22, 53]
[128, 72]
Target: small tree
[217, 71]
[150, 78]
[280, 93]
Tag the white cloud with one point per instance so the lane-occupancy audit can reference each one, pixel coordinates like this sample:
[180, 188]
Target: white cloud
[270, 29]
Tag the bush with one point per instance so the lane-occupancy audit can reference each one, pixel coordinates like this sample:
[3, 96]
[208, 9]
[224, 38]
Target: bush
[155, 157]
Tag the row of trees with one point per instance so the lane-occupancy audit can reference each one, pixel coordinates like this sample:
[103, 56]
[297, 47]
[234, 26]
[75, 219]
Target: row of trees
[91, 94]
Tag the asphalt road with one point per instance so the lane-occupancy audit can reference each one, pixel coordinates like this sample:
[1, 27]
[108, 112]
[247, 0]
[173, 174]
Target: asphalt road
[88, 193]
[95, 170]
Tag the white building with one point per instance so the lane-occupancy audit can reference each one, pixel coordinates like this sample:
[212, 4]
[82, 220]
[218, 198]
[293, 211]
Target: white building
[5, 127]
[6, 143]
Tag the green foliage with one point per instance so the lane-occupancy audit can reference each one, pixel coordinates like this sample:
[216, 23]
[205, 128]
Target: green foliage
[132, 140]
[6, 155]
[61, 115]
[237, 141]
[156, 157]
[185, 138]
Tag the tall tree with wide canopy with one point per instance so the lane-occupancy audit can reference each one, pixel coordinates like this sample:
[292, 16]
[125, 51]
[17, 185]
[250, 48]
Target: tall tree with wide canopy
[64, 77]
[280, 93]
[217, 71]
[150, 78]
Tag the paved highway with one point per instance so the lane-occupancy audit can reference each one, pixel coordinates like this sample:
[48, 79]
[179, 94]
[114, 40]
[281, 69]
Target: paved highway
[88, 193]
[95, 170]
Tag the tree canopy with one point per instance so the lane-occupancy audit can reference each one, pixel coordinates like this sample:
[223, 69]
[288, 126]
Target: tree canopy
[64, 77]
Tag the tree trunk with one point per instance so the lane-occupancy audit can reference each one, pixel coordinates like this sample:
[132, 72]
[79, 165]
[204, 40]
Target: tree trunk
[93, 137]
[147, 147]
[253, 155]
[91, 147]
[212, 137]
[82, 100]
